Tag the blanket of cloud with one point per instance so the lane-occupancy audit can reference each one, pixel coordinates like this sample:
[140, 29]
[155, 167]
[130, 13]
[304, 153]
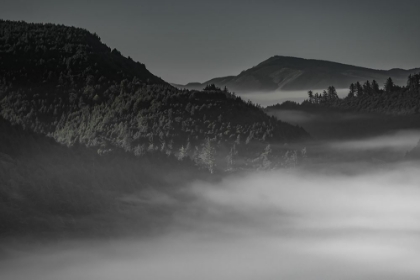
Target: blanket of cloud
[313, 222]
[402, 140]
[334, 124]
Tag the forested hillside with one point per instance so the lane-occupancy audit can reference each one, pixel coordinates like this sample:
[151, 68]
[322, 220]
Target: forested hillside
[87, 134]
[63, 82]
[49, 55]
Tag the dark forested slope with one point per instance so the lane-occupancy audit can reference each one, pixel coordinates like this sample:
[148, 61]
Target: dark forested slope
[46, 187]
[130, 138]
[61, 56]
[63, 82]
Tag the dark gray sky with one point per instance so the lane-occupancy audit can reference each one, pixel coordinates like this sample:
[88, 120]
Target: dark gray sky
[183, 41]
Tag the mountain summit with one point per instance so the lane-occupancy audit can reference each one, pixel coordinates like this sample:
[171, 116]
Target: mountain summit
[292, 73]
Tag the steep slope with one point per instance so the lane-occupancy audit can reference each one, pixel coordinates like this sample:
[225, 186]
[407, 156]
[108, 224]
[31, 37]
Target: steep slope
[292, 73]
[63, 82]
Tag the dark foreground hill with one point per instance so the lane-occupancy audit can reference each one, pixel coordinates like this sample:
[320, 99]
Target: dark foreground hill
[292, 73]
[63, 82]
[48, 188]
[91, 141]
[58, 56]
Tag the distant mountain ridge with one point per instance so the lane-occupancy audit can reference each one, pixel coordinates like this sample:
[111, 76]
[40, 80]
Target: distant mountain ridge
[293, 73]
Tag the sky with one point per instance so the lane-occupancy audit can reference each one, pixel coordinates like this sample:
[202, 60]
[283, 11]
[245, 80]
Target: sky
[193, 41]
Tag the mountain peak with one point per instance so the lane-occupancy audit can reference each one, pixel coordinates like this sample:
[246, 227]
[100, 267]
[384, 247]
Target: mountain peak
[295, 73]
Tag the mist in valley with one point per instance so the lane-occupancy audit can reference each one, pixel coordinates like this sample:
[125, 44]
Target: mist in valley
[327, 124]
[322, 220]
[349, 211]
[280, 96]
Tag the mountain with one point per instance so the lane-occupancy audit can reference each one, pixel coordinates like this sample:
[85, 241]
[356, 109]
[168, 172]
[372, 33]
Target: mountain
[292, 73]
[65, 83]
[86, 132]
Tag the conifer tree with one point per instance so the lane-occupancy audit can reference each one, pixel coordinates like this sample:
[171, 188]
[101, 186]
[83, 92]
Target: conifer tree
[266, 163]
[389, 85]
[230, 158]
[359, 89]
[181, 153]
[352, 90]
[375, 87]
[311, 96]
[367, 89]
[207, 155]
[332, 93]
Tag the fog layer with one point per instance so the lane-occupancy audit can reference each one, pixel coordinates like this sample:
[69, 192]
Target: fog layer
[278, 96]
[342, 215]
[306, 223]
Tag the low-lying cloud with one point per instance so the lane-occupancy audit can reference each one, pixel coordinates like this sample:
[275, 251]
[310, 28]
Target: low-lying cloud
[308, 223]
[402, 140]
[280, 96]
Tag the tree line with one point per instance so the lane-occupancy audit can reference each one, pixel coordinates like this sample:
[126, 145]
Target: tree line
[390, 99]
